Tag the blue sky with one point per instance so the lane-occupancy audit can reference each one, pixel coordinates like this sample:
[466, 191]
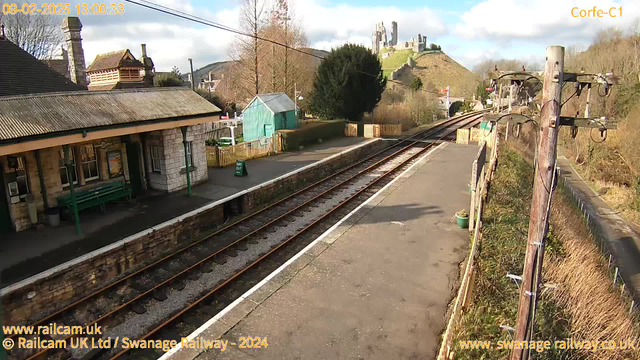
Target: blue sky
[468, 31]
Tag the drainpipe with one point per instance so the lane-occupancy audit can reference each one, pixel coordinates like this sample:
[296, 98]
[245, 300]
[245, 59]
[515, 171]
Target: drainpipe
[74, 205]
[43, 188]
[186, 158]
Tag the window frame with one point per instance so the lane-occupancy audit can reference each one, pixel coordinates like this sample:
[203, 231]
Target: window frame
[189, 150]
[83, 163]
[14, 187]
[73, 162]
[154, 155]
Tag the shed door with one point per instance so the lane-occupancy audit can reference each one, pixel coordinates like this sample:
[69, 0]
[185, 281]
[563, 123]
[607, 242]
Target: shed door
[268, 130]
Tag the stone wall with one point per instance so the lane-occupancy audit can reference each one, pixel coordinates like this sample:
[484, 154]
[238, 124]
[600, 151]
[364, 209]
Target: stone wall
[92, 272]
[71, 284]
[279, 189]
[172, 175]
[49, 160]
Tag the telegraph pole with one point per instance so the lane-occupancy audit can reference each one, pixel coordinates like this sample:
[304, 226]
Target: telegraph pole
[542, 188]
[193, 81]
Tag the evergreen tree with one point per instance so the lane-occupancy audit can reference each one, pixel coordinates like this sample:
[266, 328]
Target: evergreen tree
[416, 84]
[349, 83]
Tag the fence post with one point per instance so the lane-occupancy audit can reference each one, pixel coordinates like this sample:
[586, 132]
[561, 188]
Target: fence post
[217, 153]
[474, 187]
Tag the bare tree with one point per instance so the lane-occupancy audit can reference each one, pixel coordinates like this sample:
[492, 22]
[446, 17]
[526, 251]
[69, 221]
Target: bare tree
[287, 67]
[39, 35]
[247, 50]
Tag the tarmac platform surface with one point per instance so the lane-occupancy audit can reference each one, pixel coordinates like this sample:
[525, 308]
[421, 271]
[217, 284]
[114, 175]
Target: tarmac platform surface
[30, 252]
[376, 286]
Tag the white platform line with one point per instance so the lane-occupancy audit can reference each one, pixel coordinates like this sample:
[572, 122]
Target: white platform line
[229, 307]
[52, 271]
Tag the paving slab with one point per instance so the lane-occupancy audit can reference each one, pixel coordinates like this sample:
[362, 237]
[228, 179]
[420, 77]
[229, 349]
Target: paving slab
[381, 289]
[49, 247]
[223, 183]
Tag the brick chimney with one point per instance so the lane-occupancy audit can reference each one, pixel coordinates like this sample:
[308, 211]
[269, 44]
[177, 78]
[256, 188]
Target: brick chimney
[148, 66]
[71, 26]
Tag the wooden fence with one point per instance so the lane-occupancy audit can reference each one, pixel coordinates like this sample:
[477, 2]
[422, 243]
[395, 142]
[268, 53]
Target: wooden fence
[480, 178]
[219, 132]
[378, 130]
[225, 156]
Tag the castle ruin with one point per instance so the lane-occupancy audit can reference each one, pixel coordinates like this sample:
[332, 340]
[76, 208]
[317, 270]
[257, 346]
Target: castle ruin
[379, 40]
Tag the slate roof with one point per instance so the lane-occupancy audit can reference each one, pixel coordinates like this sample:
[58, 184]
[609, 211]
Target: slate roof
[21, 73]
[113, 60]
[61, 66]
[276, 102]
[33, 115]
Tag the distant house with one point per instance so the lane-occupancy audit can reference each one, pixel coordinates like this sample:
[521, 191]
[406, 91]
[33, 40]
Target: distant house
[121, 70]
[210, 83]
[267, 113]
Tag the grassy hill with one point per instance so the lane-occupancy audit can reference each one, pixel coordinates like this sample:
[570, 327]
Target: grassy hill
[222, 67]
[436, 70]
[218, 68]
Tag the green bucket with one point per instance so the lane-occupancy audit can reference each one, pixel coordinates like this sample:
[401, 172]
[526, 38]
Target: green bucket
[463, 222]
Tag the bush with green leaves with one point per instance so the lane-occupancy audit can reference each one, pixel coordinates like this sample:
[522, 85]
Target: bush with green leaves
[416, 84]
[349, 82]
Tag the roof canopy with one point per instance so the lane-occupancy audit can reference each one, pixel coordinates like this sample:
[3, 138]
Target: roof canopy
[32, 115]
[276, 102]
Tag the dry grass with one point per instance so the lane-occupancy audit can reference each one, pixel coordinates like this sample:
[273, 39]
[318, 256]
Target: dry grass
[393, 114]
[585, 306]
[596, 310]
[410, 110]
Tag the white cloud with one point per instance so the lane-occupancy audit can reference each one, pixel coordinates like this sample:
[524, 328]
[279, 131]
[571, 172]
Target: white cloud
[541, 19]
[170, 40]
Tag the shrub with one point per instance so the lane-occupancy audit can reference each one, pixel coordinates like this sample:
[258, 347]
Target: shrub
[309, 134]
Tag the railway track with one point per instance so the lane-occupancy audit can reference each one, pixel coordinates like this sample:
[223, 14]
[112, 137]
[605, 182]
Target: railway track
[165, 299]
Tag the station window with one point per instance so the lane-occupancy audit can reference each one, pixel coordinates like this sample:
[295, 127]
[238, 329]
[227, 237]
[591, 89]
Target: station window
[156, 156]
[17, 179]
[89, 162]
[189, 155]
[64, 178]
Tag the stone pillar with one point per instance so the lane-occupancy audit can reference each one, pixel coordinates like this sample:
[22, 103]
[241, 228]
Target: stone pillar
[71, 26]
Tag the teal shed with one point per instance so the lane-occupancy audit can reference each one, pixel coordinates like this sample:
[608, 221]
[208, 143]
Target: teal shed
[267, 113]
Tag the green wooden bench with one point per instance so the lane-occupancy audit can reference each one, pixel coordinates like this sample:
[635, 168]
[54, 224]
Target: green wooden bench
[99, 195]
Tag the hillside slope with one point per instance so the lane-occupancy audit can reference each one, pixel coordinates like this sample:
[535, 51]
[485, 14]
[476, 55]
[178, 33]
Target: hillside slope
[222, 67]
[436, 70]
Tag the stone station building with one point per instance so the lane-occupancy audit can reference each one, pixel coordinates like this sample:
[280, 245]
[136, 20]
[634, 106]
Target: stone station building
[130, 136]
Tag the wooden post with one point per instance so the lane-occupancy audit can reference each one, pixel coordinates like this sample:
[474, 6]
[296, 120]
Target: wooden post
[542, 188]
[474, 188]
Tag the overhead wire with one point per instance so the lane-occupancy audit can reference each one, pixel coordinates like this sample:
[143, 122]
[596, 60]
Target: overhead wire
[203, 21]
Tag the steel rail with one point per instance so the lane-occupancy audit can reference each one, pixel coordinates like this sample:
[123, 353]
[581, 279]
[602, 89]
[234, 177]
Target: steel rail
[202, 298]
[137, 272]
[426, 132]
